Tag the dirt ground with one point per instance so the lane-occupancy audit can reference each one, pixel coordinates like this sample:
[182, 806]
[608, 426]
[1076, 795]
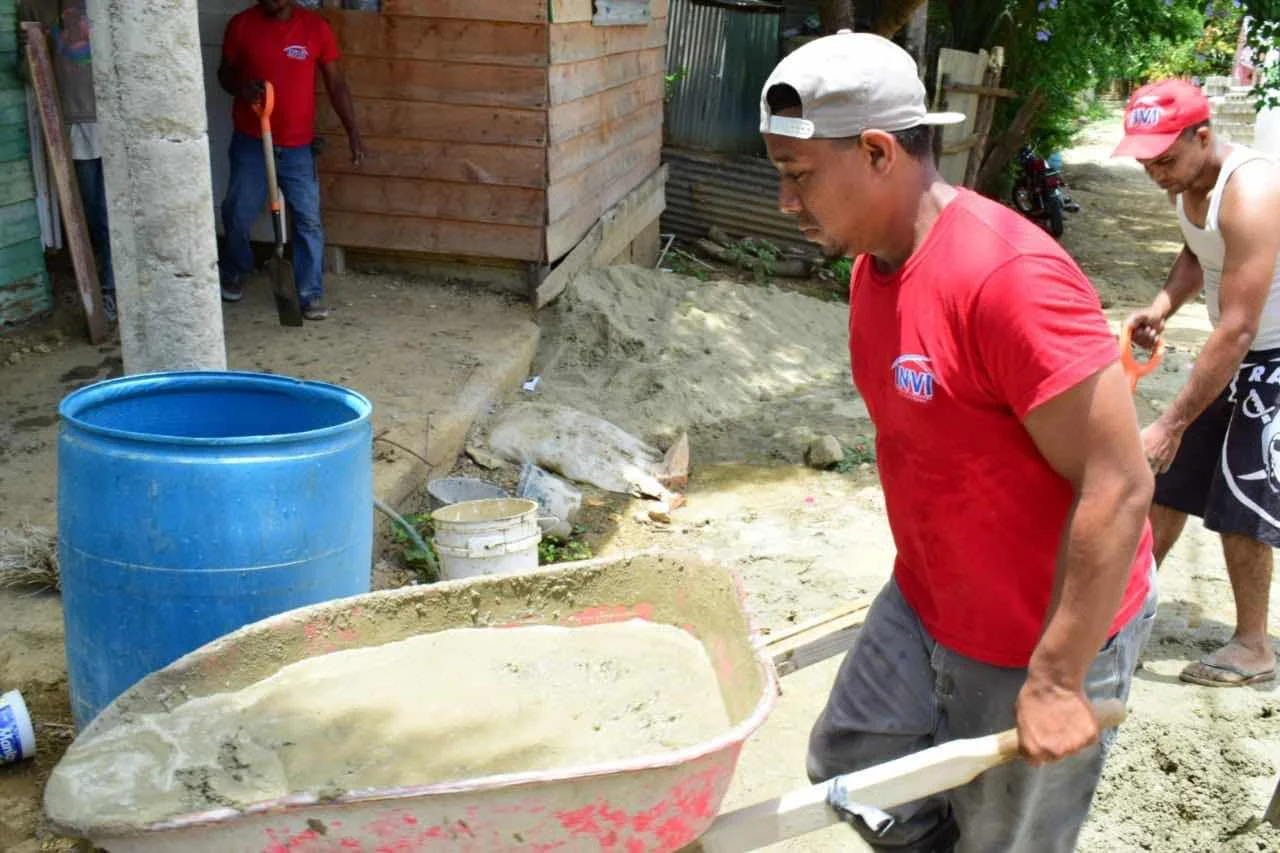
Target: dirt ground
[398, 342]
[1193, 768]
[661, 354]
[409, 346]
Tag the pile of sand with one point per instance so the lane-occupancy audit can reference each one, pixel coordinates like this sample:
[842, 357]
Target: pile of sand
[753, 373]
[1195, 790]
[452, 705]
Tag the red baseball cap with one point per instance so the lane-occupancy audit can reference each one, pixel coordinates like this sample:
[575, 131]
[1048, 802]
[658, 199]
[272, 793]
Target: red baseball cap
[1157, 113]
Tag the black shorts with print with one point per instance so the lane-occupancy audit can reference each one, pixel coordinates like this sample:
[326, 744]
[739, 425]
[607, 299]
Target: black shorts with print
[1227, 470]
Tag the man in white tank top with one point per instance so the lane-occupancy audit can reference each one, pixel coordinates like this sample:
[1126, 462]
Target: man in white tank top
[1216, 449]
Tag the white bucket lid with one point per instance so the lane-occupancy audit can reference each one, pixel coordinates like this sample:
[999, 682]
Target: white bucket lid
[17, 736]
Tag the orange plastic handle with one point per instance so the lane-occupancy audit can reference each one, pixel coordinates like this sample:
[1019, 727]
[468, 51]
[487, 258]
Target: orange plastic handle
[264, 109]
[266, 106]
[1133, 368]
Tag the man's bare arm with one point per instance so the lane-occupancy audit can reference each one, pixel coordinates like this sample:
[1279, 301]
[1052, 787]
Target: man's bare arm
[1089, 435]
[228, 79]
[1186, 279]
[1248, 220]
[335, 82]
[238, 85]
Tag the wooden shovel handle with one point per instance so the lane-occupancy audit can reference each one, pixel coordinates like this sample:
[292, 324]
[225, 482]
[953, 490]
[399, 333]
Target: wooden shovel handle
[264, 109]
[1110, 713]
[903, 780]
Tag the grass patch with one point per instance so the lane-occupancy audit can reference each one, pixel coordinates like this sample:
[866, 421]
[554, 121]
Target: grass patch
[421, 563]
[861, 452]
[572, 549]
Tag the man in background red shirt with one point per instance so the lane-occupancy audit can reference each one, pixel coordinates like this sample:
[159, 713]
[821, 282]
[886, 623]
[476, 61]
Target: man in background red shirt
[283, 44]
[1008, 448]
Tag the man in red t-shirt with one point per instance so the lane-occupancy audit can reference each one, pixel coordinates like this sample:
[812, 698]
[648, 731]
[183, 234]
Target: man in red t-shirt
[280, 43]
[1008, 448]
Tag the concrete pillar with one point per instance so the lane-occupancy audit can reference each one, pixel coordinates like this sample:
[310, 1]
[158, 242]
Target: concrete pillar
[149, 82]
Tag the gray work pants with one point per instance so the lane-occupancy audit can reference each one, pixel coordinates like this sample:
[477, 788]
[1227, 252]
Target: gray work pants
[898, 692]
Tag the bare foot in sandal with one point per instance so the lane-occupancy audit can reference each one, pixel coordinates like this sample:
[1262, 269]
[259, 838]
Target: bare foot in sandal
[1233, 665]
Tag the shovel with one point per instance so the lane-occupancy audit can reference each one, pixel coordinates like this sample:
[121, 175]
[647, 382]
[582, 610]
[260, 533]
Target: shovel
[288, 306]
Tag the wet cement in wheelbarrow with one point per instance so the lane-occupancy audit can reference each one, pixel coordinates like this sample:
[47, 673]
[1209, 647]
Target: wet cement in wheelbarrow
[456, 704]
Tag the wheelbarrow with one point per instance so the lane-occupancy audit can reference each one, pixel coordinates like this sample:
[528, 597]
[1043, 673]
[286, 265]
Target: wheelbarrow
[656, 803]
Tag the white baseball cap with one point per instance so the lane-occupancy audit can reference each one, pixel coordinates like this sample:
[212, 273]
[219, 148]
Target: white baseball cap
[849, 82]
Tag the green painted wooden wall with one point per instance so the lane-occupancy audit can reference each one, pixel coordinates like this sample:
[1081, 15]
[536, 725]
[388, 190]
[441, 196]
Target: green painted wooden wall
[25, 290]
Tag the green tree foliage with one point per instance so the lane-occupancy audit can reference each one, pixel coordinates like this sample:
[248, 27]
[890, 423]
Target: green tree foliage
[1067, 49]
[1264, 39]
[1212, 53]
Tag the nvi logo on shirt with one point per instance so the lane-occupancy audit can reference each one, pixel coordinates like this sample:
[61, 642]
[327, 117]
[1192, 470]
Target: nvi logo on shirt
[297, 51]
[912, 377]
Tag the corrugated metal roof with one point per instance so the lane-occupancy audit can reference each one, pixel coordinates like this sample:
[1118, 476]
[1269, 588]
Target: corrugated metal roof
[736, 193]
[725, 51]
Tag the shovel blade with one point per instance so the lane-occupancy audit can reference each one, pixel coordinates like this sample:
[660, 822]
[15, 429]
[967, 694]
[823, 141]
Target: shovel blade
[288, 305]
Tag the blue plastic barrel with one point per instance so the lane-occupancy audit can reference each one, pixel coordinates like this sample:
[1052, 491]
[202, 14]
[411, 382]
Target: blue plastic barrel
[191, 504]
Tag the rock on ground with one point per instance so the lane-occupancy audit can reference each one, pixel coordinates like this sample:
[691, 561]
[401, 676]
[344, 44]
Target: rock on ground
[824, 452]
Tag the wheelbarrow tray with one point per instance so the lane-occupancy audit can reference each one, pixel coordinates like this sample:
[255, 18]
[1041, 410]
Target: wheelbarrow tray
[657, 802]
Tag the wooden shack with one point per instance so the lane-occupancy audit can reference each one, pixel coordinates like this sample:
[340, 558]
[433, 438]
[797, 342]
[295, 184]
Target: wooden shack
[500, 133]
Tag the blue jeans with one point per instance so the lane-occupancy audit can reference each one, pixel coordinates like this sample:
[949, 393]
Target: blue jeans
[246, 195]
[93, 192]
[898, 691]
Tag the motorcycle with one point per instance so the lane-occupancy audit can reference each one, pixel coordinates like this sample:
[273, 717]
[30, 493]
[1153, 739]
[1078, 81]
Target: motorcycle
[1039, 193]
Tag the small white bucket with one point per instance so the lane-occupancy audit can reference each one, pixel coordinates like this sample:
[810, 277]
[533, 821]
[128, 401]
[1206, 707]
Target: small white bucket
[17, 737]
[497, 536]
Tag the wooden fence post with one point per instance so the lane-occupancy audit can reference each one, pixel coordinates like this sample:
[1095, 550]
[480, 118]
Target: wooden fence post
[986, 114]
[55, 138]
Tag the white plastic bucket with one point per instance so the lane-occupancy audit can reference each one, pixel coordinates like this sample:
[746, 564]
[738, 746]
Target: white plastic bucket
[497, 536]
[17, 737]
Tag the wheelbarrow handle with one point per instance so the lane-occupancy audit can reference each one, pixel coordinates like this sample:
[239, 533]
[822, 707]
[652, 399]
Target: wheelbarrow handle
[1133, 368]
[883, 786]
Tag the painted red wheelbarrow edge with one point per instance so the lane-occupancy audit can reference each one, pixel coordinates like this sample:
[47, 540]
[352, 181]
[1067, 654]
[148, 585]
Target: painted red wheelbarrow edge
[726, 746]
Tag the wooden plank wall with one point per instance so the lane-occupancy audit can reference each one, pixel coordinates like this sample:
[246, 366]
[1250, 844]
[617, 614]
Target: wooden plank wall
[451, 96]
[25, 290]
[604, 118]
